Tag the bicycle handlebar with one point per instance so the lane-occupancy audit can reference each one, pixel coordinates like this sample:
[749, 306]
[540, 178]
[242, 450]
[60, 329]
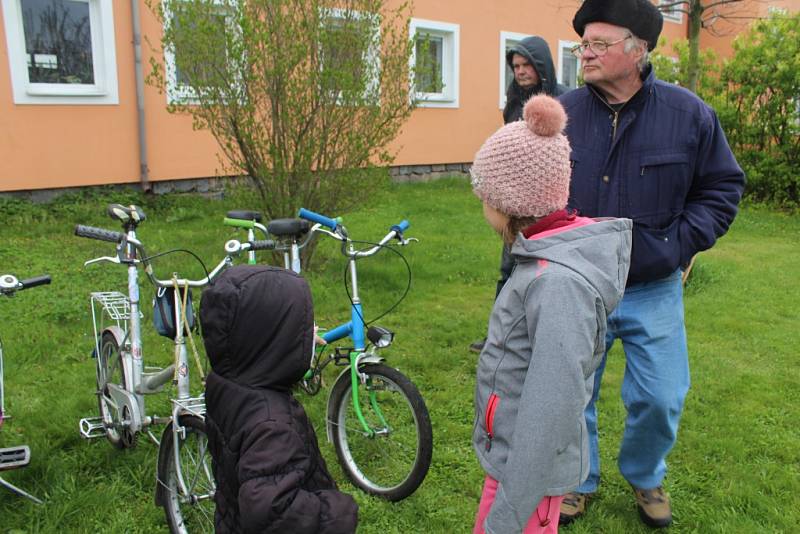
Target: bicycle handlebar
[317, 218]
[100, 234]
[401, 227]
[35, 281]
[262, 244]
[239, 223]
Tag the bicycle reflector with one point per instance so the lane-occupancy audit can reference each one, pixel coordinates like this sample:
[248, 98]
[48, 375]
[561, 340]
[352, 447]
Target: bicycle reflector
[380, 336]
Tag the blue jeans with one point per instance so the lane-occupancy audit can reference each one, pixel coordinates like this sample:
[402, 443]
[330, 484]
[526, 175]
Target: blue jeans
[649, 321]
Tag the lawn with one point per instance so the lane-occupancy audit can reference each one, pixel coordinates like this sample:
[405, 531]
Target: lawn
[736, 467]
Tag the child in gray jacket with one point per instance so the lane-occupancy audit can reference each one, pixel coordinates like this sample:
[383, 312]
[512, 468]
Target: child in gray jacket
[547, 328]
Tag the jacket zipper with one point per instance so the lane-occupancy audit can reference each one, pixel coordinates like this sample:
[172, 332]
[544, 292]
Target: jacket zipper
[490, 409]
[616, 113]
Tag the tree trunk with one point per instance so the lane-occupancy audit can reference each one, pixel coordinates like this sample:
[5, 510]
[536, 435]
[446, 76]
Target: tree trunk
[696, 9]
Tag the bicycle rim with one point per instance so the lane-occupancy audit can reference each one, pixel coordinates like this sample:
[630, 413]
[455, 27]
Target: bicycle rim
[190, 511]
[392, 460]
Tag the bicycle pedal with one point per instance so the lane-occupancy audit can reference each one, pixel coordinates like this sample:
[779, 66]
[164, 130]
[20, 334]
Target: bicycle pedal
[14, 457]
[92, 427]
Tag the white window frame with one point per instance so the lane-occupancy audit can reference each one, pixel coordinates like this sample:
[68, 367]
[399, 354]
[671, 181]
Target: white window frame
[372, 59]
[105, 89]
[450, 34]
[178, 93]
[504, 38]
[671, 16]
[568, 45]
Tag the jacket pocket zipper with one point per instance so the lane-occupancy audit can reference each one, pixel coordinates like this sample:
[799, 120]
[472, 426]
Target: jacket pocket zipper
[490, 409]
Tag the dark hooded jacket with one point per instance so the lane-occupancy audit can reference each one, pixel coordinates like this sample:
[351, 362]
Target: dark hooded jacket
[258, 331]
[536, 51]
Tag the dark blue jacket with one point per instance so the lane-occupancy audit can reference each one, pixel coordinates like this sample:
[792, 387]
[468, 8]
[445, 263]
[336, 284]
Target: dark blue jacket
[662, 161]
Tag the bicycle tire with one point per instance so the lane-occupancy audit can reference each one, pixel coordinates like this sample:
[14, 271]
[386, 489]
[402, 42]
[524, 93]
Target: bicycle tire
[192, 512]
[110, 369]
[393, 462]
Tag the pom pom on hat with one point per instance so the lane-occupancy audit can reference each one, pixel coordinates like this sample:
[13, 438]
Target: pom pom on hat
[544, 116]
[523, 169]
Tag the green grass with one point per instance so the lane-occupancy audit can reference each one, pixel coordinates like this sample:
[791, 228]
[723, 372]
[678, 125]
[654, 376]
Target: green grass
[735, 468]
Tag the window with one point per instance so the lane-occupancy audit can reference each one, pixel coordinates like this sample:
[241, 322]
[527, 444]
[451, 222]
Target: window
[672, 13]
[185, 77]
[434, 63]
[349, 51]
[507, 40]
[568, 65]
[61, 51]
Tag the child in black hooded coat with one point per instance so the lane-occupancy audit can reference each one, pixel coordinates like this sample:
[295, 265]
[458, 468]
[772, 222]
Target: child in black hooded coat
[258, 329]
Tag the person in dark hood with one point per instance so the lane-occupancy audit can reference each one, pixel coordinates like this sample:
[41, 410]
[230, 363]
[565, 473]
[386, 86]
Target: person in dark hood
[534, 73]
[258, 330]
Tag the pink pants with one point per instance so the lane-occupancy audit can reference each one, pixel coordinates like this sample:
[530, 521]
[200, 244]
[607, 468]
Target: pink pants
[544, 519]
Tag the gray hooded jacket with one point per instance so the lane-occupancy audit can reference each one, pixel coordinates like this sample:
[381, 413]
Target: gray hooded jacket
[546, 338]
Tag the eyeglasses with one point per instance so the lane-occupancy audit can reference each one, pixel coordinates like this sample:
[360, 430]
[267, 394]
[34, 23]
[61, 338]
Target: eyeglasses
[598, 47]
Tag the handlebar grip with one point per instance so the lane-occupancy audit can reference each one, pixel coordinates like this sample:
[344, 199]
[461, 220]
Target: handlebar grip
[35, 281]
[401, 227]
[317, 218]
[98, 233]
[239, 223]
[262, 244]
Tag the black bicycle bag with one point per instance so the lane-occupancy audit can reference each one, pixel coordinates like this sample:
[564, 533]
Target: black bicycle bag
[164, 311]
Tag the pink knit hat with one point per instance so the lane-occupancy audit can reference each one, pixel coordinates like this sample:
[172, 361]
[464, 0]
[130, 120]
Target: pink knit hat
[523, 169]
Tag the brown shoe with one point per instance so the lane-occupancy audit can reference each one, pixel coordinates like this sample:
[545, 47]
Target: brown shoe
[477, 347]
[573, 507]
[654, 508]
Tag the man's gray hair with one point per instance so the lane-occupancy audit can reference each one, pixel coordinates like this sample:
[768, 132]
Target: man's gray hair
[637, 42]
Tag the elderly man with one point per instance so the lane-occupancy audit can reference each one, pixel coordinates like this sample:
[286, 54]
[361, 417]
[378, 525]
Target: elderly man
[655, 153]
[534, 73]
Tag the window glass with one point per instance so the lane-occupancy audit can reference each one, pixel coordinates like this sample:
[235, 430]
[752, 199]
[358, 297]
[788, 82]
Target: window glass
[194, 72]
[569, 68]
[429, 63]
[58, 41]
[672, 13]
[344, 48]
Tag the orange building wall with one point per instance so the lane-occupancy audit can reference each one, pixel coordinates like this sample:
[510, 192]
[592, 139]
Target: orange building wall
[52, 146]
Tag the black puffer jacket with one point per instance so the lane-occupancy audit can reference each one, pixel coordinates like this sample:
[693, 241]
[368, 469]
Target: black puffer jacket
[258, 332]
[536, 51]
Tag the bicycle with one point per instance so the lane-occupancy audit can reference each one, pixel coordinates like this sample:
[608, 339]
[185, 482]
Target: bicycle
[376, 417]
[19, 456]
[185, 483]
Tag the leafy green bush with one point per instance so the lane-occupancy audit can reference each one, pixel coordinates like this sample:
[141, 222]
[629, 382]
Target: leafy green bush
[760, 109]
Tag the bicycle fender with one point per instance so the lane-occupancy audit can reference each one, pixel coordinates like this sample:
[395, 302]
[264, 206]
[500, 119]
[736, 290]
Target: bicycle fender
[344, 375]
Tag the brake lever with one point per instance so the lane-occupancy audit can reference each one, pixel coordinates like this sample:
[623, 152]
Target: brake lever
[404, 242]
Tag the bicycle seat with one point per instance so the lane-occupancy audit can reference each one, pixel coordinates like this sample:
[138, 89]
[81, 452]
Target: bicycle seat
[126, 214]
[245, 215]
[288, 227]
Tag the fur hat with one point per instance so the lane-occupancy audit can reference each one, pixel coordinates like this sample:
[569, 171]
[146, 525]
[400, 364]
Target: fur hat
[523, 169]
[641, 17]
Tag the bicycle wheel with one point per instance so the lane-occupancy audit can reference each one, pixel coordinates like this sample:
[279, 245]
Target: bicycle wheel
[392, 460]
[189, 507]
[110, 371]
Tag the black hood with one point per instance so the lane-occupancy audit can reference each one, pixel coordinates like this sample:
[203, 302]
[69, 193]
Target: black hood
[536, 51]
[258, 326]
